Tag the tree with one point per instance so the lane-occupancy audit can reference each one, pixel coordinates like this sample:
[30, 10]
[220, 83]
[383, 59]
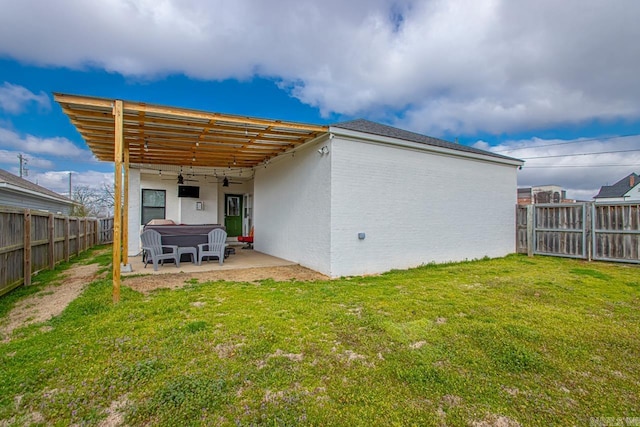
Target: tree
[95, 202]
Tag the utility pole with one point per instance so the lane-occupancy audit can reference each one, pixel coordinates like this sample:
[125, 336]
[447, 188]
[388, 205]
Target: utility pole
[70, 185]
[23, 165]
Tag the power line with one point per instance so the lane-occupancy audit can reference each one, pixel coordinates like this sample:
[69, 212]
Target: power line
[579, 154]
[569, 142]
[579, 166]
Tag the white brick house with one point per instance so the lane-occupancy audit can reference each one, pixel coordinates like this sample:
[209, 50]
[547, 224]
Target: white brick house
[415, 199]
[365, 198]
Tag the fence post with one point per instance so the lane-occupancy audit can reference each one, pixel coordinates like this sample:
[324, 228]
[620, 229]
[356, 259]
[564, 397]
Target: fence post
[77, 221]
[67, 231]
[530, 225]
[86, 233]
[27, 247]
[589, 226]
[52, 241]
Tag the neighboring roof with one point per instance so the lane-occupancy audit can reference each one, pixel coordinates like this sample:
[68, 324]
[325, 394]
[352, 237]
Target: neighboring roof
[620, 188]
[161, 135]
[10, 181]
[366, 126]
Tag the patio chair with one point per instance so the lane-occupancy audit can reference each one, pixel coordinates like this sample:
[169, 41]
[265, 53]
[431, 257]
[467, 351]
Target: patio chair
[215, 246]
[154, 250]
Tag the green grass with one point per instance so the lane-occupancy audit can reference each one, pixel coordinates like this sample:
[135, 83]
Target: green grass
[542, 341]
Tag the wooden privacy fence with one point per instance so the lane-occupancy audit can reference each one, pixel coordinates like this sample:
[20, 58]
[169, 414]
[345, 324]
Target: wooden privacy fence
[31, 241]
[105, 230]
[606, 232]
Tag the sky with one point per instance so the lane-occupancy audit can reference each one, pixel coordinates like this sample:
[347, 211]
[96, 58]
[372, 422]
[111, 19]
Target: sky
[555, 83]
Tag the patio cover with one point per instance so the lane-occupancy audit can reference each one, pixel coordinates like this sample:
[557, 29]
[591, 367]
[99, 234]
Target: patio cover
[135, 133]
[177, 136]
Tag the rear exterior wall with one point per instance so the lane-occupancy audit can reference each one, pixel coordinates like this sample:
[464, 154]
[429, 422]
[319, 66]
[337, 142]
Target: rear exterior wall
[415, 208]
[182, 210]
[292, 198]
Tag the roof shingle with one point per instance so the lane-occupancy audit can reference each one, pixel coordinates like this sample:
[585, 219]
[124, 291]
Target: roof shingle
[618, 189]
[16, 181]
[366, 126]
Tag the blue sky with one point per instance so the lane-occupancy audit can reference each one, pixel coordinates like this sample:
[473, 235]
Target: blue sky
[541, 80]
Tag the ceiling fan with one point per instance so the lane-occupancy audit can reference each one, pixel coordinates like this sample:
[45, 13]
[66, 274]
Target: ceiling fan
[225, 182]
[181, 179]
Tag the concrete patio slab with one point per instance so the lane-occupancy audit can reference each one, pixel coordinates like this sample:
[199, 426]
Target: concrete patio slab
[243, 258]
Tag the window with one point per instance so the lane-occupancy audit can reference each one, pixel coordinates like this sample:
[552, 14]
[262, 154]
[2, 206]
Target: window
[153, 205]
[233, 206]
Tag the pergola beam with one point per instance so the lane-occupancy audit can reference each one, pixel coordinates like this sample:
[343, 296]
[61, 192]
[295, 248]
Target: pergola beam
[129, 106]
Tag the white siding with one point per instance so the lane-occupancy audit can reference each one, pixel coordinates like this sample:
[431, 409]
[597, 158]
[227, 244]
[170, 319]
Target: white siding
[29, 201]
[633, 194]
[134, 212]
[292, 215]
[209, 198]
[415, 208]
[182, 210]
[156, 182]
[605, 200]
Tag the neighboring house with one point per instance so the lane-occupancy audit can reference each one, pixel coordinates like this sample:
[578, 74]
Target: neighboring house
[542, 194]
[20, 193]
[627, 189]
[364, 198]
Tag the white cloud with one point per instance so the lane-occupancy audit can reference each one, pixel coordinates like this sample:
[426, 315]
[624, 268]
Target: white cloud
[14, 99]
[9, 161]
[30, 144]
[58, 181]
[581, 176]
[39, 172]
[451, 66]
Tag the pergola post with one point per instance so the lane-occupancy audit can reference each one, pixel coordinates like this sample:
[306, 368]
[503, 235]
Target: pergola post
[117, 214]
[125, 213]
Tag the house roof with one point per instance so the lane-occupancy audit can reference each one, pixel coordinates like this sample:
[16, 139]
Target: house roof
[161, 135]
[366, 126]
[620, 188]
[10, 181]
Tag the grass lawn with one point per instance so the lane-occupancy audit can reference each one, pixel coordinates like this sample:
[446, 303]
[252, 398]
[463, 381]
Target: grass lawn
[534, 341]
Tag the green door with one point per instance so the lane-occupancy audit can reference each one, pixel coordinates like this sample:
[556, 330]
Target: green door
[233, 214]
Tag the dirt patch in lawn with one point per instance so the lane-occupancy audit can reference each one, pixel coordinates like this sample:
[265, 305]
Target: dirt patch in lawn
[149, 283]
[115, 416]
[50, 301]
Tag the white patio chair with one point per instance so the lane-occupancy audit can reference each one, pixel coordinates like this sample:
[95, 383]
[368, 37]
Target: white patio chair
[154, 250]
[214, 247]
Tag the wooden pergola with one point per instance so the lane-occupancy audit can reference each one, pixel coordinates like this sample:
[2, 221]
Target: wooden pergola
[135, 133]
